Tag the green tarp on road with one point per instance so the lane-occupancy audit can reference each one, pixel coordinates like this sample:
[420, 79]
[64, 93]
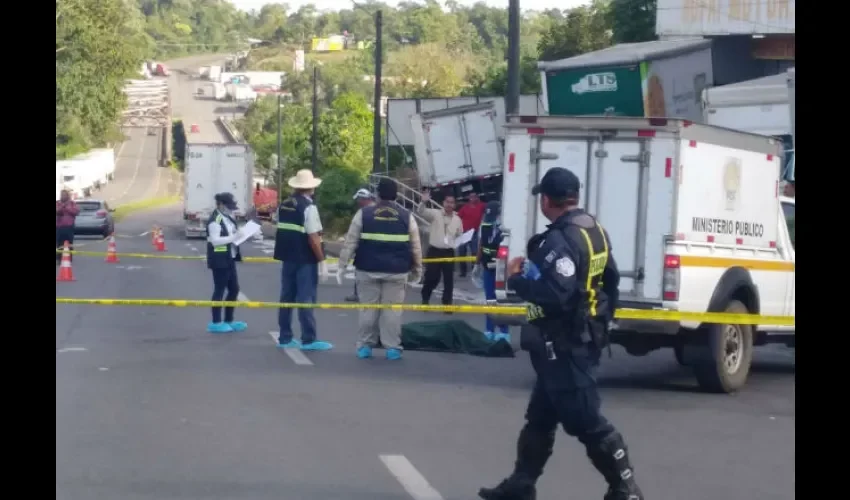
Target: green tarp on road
[452, 336]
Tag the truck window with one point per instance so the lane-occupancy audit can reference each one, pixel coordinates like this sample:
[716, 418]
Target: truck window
[788, 210]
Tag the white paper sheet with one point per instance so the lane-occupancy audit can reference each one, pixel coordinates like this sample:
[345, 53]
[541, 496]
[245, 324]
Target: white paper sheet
[247, 231]
[464, 238]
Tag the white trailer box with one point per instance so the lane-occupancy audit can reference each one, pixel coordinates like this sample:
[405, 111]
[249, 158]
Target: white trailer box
[695, 222]
[211, 169]
[663, 78]
[78, 176]
[104, 160]
[759, 106]
[214, 73]
[457, 144]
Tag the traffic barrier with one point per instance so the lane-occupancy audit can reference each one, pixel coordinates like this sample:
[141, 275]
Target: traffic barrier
[111, 251]
[267, 260]
[639, 314]
[66, 273]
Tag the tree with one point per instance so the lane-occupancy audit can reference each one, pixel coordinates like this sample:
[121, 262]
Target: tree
[633, 20]
[583, 29]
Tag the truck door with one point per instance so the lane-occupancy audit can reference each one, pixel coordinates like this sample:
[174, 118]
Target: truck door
[791, 294]
[569, 153]
[614, 198]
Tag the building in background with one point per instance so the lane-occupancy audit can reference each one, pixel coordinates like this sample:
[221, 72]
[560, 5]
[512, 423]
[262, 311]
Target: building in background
[751, 38]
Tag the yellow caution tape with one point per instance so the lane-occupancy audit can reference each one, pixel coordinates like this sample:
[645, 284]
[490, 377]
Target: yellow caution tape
[640, 314]
[267, 260]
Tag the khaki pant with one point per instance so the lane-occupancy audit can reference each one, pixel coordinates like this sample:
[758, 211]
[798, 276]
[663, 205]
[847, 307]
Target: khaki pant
[384, 324]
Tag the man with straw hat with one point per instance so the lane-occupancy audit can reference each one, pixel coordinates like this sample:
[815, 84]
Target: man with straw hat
[298, 244]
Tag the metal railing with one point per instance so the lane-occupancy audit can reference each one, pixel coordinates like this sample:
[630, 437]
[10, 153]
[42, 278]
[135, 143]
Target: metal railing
[408, 198]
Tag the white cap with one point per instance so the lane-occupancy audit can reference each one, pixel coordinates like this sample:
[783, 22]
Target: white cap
[362, 193]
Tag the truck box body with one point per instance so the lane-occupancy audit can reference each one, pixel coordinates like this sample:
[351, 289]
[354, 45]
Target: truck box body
[792, 79]
[659, 78]
[212, 169]
[79, 175]
[649, 182]
[214, 73]
[104, 160]
[252, 78]
[759, 106]
[456, 145]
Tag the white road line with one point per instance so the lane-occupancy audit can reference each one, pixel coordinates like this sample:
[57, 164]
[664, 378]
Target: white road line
[413, 482]
[295, 355]
[195, 249]
[158, 179]
[135, 172]
[144, 234]
[72, 349]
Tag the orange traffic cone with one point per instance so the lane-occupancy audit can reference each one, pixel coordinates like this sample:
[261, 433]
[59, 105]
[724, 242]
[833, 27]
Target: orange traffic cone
[154, 232]
[160, 242]
[65, 271]
[111, 252]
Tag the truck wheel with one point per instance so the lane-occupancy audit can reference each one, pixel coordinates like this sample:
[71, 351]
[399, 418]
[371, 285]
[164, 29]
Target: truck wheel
[725, 355]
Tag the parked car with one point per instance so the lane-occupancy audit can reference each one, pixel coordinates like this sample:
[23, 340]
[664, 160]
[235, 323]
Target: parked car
[95, 217]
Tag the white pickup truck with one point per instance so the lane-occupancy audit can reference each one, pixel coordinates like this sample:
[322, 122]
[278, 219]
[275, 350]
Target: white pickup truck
[696, 225]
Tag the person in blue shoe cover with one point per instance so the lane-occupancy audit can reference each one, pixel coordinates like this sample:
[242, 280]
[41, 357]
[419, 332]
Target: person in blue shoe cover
[490, 237]
[222, 256]
[298, 244]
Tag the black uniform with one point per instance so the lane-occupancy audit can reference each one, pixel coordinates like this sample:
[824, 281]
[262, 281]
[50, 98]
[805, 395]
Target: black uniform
[570, 282]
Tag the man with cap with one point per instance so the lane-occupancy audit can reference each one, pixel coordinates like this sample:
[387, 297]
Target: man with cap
[222, 256]
[298, 243]
[570, 282]
[364, 199]
[490, 238]
[385, 240]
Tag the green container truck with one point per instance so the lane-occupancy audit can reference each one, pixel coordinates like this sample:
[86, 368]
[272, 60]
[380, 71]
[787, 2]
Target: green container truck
[648, 79]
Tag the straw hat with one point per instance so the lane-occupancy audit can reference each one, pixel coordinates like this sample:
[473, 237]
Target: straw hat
[304, 180]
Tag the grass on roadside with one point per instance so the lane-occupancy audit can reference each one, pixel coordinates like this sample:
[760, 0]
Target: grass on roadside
[137, 206]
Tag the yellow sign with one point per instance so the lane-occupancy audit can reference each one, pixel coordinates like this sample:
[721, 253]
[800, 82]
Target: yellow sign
[327, 45]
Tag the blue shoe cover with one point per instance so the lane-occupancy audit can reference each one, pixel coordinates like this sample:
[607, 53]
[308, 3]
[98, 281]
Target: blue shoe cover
[489, 336]
[238, 326]
[502, 336]
[364, 352]
[219, 328]
[393, 354]
[317, 345]
[292, 344]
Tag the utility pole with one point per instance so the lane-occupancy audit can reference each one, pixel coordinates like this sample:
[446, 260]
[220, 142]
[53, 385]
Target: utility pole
[512, 99]
[314, 136]
[279, 155]
[376, 123]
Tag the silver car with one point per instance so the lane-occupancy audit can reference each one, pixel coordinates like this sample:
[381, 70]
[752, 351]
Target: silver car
[95, 217]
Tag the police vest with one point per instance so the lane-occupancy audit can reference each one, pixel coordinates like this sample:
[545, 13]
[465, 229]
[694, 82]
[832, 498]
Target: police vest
[490, 239]
[384, 245]
[221, 256]
[291, 241]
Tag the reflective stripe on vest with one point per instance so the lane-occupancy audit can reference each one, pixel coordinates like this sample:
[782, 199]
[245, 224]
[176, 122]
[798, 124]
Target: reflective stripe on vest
[595, 267]
[399, 238]
[291, 227]
[219, 220]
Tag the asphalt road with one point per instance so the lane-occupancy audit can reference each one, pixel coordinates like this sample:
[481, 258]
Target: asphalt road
[149, 406]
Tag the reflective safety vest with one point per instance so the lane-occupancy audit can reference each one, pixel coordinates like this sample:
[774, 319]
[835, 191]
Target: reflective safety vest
[291, 243]
[591, 277]
[384, 245]
[221, 256]
[489, 238]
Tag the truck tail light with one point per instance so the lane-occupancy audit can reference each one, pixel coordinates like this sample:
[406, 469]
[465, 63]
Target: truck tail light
[670, 282]
[501, 267]
[100, 214]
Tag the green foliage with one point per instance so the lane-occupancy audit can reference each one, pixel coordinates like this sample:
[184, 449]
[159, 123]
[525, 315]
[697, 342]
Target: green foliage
[633, 20]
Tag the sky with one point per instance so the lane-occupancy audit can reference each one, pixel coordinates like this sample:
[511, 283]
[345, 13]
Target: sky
[336, 4]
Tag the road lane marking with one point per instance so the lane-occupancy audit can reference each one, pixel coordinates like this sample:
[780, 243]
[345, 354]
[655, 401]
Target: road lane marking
[295, 355]
[144, 234]
[72, 349]
[411, 480]
[135, 173]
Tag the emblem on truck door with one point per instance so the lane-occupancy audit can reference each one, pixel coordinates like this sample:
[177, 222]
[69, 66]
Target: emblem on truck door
[732, 182]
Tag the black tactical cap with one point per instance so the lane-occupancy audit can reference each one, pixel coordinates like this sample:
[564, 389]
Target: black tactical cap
[558, 183]
[492, 211]
[226, 199]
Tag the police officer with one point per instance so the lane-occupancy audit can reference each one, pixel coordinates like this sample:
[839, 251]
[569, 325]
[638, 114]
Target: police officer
[298, 243]
[222, 256]
[570, 282]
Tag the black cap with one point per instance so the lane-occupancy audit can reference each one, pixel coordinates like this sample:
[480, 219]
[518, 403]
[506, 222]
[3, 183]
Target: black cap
[492, 211]
[226, 199]
[558, 183]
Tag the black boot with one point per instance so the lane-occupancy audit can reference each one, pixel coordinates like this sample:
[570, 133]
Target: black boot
[533, 451]
[611, 458]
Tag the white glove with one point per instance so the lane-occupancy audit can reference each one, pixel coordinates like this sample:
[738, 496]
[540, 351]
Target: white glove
[339, 271]
[323, 270]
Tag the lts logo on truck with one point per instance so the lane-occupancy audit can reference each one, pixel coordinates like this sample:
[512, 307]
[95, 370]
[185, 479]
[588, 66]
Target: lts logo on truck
[596, 82]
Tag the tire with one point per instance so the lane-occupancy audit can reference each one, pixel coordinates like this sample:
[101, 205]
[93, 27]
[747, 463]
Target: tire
[725, 354]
